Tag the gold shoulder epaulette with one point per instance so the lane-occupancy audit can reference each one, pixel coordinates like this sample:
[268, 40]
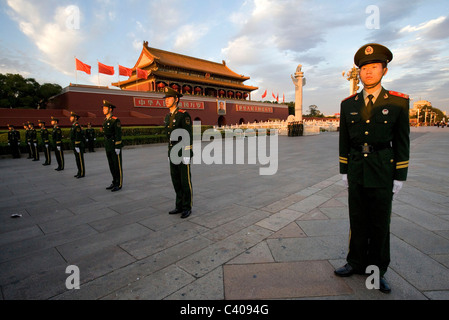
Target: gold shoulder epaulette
[349, 97]
[399, 94]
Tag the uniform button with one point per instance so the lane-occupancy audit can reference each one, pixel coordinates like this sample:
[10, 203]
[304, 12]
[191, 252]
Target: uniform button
[366, 133]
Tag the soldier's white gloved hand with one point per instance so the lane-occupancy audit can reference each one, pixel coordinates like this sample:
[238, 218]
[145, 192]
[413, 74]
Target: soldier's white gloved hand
[29, 143]
[186, 160]
[397, 186]
[46, 146]
[344, 178]
[35, 144]
[117, 151]
[18, 143]
[77, 149]
[59, 148]
[87, 140]
[8, 144]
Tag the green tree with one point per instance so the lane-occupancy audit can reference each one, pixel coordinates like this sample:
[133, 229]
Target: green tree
[314, 112]
[19, 92]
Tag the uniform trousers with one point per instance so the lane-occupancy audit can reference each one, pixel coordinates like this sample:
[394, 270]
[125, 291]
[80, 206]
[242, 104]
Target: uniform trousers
[369, 215]
[47, 154]
[59, 154]
[181, 179]
[79, 158]
[115, 166]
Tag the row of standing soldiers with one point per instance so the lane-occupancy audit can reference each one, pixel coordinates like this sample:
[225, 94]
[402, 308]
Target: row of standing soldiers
[295, 129]
[31, 140]
[80, 138]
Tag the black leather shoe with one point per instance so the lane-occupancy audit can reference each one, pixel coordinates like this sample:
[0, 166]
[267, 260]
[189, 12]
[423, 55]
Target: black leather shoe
[76, 175]
[345, 271]
[116, 189]
[186, 213]
[79, 177]
[110, 187]
[384, 286]
[176, 211]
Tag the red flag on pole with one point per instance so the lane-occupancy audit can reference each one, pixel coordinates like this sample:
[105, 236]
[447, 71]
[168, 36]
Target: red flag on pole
[126, 72]
[264, 94]
[141, 74]
[277, 98]
[273, 95]
[102, 68]
[82, 66]
[283, 98]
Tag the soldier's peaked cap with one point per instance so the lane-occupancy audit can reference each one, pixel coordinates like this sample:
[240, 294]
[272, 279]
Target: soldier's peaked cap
[106, 103]
[169, 92]
[74, 114]
[372, 53]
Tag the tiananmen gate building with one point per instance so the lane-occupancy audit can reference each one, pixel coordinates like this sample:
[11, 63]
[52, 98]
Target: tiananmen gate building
[213, 94]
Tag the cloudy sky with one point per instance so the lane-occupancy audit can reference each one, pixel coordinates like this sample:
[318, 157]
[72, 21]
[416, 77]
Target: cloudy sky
[263, 39]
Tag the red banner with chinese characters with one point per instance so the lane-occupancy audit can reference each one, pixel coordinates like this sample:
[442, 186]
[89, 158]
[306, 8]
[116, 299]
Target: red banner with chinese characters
[159, 103]
[243, 108]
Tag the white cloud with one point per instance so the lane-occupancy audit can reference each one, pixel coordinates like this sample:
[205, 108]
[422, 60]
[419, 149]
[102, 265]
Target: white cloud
[189, 35]
[57, 38]
[423, 26]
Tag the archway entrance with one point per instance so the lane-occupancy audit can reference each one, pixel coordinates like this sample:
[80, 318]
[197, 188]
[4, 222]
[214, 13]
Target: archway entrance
[221, 121]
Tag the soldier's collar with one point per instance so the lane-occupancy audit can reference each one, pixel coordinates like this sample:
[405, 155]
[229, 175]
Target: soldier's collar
[375, 94]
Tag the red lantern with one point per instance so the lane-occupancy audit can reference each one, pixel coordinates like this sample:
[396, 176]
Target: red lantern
[161, 85]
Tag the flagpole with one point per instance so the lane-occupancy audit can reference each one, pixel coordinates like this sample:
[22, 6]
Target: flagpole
[76, 73]
[118, 73]
[98, 66]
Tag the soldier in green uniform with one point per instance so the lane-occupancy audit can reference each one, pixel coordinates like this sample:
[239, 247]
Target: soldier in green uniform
[45, 143]
[77, 137]
[33, 142]
[112, 130]
[90, 137]
[27, 139]
[14, 141]
[179, 169]
[374, 148]
[57, 143]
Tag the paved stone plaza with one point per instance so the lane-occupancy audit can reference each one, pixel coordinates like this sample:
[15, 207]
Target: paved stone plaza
[249, 236]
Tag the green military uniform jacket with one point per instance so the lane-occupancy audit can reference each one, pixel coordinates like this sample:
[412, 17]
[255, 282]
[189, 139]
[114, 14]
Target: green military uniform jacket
[386, 134]
[45, 136]
[27, 136]
[180, 119]
[77, 135]
[112, 130]
[13, 137]
[33, 136]
[90, 134]
[57, 136]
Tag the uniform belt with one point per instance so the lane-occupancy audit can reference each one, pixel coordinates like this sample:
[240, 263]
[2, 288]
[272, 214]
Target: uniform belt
[371, 148]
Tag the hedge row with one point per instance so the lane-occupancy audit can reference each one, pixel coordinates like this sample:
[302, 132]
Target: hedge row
[130, 136]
